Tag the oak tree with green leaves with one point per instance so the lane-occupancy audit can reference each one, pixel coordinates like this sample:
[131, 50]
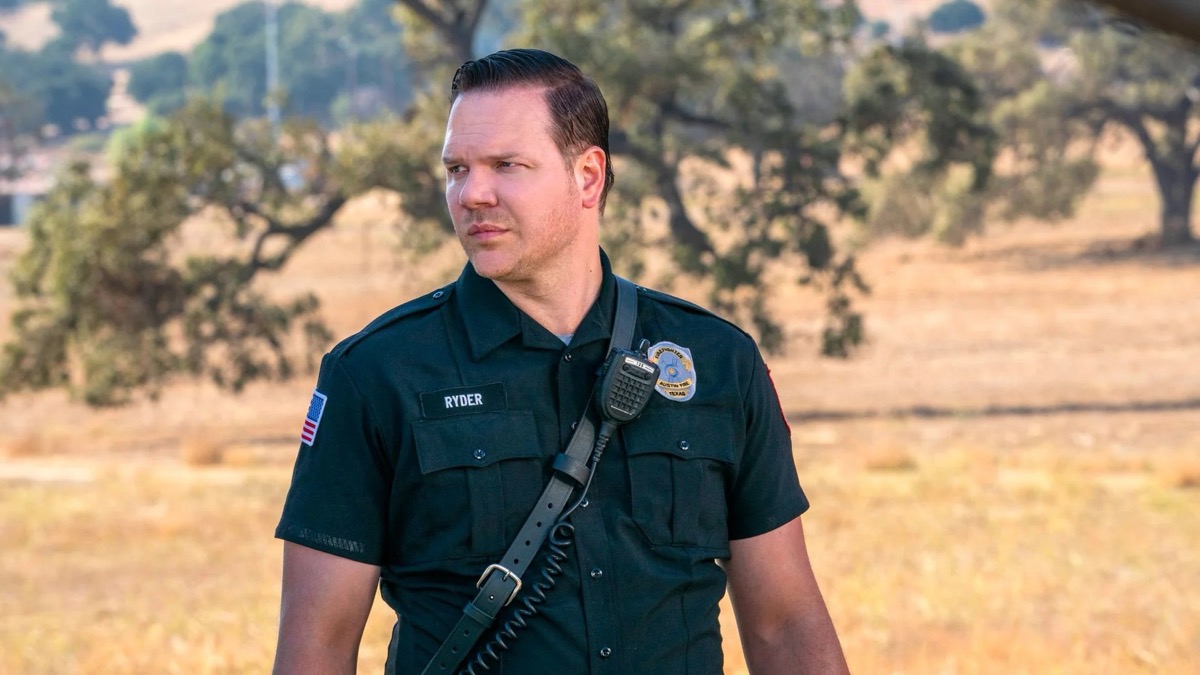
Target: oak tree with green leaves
[106, 307]
[1142, 83]
[916, 121]
[1051, 80]
[92, 24]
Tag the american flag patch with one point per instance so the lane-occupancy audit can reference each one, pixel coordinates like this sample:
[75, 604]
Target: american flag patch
[313, 418]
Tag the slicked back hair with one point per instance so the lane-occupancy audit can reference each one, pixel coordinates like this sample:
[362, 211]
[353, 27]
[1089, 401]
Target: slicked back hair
[578, 111]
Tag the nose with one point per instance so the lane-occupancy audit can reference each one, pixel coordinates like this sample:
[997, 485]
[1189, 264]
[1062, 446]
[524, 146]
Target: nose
[475, 190]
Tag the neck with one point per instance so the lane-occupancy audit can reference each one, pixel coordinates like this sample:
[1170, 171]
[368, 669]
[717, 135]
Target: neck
[558, 299]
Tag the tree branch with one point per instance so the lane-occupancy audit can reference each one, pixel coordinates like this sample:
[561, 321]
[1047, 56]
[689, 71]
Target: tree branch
[1181, 17]
[295, 234]
[672, 110]
[459, 29]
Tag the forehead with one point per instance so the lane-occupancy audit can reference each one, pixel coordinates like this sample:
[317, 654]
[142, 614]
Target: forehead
[502, 120]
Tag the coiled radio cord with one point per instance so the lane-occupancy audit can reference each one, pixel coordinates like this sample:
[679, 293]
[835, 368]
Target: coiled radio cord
[560, 539]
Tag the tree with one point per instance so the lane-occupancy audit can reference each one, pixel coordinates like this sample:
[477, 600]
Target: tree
[65, 90]
[159, 82]
[1143, 84]
[232, 59]
[20, 117]
[91, 24]
[918, 103]
[105, 309]
[322, 56]
[1180, 17]
[1054, 79]
[454, 23]
[956, 16]
[379, 73]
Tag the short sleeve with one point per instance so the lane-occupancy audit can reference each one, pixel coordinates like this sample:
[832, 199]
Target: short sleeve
[766, 492]
[338, 499]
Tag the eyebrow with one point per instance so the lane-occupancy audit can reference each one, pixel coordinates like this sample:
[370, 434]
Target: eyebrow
[449, 160]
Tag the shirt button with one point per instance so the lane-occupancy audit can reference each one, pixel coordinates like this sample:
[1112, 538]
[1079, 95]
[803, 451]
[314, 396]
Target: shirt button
[438, 294]
[605, 652]
[684, 445]
[567, 357]
[597, 572]
[480, 453]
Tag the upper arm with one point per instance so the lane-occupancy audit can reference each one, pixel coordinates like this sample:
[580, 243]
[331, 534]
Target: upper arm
[770, 576]
[326, 601]
[781, 616]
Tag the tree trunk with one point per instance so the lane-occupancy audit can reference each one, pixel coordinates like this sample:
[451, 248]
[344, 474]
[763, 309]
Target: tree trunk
[1175, 189]
[692, 240]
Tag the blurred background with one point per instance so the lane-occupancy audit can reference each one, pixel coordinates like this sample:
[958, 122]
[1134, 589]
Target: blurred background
[962, 231]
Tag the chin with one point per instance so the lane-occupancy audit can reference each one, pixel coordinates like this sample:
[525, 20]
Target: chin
[491, 266]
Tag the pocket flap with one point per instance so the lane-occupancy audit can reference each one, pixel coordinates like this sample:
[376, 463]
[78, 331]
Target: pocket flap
[477, 440]
[685, 433]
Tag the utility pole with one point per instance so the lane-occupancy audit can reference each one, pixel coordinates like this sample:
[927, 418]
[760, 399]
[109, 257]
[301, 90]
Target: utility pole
[351, 51]
[273, 90]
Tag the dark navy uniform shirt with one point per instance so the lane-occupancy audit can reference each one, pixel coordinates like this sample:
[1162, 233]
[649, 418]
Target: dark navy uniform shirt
[430, 437]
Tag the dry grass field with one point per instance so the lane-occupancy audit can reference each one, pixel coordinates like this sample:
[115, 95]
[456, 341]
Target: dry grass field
[1007, 479]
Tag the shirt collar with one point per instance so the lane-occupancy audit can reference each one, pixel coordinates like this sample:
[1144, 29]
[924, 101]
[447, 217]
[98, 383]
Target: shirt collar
[491, 319]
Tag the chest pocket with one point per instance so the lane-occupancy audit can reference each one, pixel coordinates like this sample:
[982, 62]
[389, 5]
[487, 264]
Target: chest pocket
[479, 473]
[680, 462]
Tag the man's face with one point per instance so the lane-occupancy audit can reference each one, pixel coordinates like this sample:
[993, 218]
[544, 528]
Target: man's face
[515, 205]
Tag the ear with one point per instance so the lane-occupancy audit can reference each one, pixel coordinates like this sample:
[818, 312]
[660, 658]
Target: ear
[590, 170]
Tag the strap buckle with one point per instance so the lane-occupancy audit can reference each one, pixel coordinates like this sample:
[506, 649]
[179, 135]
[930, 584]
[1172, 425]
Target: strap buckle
[496, 567]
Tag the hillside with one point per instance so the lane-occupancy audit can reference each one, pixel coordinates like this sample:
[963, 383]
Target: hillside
[163, 25]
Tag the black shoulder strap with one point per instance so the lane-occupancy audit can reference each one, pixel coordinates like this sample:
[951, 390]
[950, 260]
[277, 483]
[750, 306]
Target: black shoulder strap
[501, 581]
[626, 317]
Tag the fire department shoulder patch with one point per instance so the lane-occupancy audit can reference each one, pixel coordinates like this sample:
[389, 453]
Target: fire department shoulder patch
[677, 371]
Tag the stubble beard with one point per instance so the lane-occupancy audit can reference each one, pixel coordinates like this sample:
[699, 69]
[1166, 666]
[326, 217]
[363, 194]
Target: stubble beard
[527, 260]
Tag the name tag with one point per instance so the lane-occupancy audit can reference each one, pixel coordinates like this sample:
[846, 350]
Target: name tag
[464, 400]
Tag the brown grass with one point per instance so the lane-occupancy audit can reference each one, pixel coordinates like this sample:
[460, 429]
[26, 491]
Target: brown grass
[201, 452]
[25, 445]
[1004, 481]
[889, 459]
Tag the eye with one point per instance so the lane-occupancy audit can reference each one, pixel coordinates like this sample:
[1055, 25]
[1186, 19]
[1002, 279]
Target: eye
[507, 165]
[455, 169]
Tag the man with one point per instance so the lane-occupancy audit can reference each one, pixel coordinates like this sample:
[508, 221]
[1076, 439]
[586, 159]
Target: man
[432, 431]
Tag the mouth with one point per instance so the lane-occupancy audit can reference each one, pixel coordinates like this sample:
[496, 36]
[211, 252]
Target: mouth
[485, 231]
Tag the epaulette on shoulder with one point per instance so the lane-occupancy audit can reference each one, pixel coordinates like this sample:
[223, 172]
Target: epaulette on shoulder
[413, 307]
[669, 299]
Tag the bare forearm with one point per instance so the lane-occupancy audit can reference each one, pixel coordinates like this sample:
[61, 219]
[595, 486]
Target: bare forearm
[314, 662]
[805, 645]
[324, 609]
[305, 650]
